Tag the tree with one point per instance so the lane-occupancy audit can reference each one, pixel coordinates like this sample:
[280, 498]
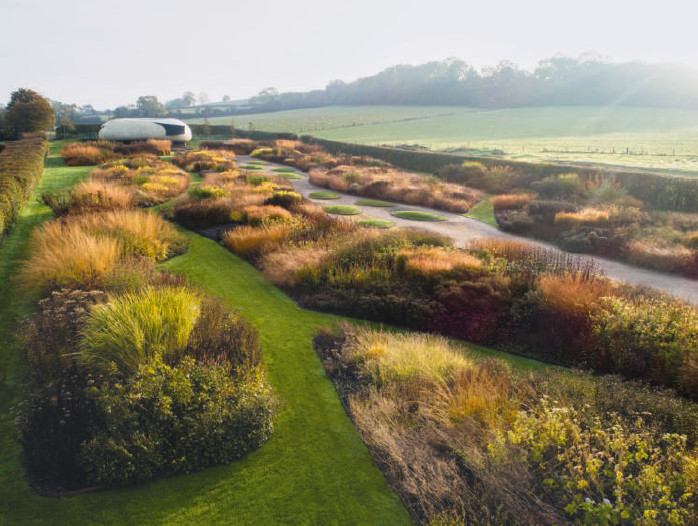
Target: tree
[150, 106]
[203, 99]
[226, 98]
[28, 112]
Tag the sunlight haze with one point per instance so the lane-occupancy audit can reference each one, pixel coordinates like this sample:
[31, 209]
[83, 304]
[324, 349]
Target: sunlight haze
[109, 53]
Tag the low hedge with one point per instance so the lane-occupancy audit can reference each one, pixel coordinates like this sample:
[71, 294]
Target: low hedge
[21, 166]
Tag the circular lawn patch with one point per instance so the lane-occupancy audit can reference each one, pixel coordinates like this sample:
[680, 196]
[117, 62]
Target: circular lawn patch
[323, 195]
[414, 215]
[374, 203]
[343, 210]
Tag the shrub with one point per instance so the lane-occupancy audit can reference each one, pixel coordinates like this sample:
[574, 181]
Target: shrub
[56, 416]
[222, 336]
[641, 473]
[207, 192]
[139, 328]
[654, 339]
[175, 419]
[204, 160]
[203, 213]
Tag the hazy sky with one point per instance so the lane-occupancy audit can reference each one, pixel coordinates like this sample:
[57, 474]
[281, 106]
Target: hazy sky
[109, 52]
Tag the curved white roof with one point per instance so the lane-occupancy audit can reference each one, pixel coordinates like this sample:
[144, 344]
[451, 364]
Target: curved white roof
[145, 128]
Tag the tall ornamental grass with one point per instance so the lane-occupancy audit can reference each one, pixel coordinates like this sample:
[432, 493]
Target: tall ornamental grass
[136, 328]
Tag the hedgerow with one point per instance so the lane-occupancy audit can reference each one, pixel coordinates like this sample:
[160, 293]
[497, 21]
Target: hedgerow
[21, 166]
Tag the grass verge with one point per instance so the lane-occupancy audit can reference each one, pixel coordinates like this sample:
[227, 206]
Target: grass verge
[483, 211]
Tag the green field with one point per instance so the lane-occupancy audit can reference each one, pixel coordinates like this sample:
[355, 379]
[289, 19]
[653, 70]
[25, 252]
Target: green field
[635, 137]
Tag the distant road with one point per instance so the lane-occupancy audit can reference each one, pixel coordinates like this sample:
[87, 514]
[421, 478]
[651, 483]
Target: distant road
[464, 230]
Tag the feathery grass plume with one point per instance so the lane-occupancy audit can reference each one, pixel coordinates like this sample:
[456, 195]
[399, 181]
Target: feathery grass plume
[670, 258]
[135, 328]
[87, 154]
[432, 260]
[281, 267]
[586, 216]
[250, 242]
[572, 292]
[64, 253]
[404, 357]
[139, 232]
[509, 201]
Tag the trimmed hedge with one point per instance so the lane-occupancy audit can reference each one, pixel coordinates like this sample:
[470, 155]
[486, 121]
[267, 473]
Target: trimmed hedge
[21, 166]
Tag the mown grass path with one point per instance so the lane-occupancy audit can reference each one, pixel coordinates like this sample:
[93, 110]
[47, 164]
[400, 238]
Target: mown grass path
[314, 470]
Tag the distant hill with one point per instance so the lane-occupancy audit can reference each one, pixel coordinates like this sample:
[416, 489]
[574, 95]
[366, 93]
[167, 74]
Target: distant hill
[556, 81]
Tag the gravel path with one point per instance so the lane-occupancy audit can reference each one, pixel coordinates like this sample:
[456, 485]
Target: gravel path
[463, 230]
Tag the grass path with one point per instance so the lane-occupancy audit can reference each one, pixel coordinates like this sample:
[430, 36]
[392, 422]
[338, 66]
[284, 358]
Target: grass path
[314, 470]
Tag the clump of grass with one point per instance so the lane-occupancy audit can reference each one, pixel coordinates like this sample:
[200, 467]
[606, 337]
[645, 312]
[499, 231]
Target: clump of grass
[432, 260]
[137, 328]
[343, 210]
[64, 254]
[415, 215]
[586, 217]
[406, 357]
[509, 201]
[387, 183]
[666, 257]
[281, 267]
[572, 292]
[87, 154]
[378, 204]
[250, 242]
[377, 223]
[205, 160]
[257, 214]
[283, 169]
[251, 167]
[324, 195]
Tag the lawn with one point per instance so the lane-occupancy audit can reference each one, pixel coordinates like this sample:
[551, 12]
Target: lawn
[484, 212]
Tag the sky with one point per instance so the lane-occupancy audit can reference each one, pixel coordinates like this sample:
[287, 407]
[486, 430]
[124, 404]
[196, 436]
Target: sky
[108, 53]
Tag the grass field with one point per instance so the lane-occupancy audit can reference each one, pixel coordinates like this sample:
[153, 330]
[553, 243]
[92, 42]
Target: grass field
[313, 120]
[625, 136]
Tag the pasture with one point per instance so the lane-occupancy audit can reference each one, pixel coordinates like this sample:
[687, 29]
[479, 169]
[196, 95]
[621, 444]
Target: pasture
[651, 138]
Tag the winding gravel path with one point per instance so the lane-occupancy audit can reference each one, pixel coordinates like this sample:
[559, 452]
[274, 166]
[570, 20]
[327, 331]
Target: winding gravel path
[463, 229]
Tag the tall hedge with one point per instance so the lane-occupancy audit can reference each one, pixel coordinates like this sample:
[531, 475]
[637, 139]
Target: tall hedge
[21, 166]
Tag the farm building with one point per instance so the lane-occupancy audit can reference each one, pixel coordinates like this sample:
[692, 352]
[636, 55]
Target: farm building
[145, 128]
